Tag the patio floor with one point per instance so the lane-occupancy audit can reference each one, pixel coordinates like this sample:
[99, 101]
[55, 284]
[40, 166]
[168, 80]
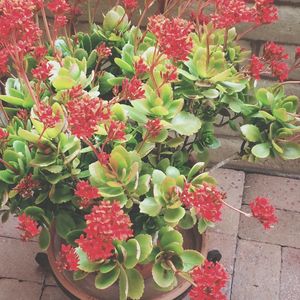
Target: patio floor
[264, 265]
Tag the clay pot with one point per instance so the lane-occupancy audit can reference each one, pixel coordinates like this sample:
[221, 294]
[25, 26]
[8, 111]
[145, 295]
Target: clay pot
[85, 289]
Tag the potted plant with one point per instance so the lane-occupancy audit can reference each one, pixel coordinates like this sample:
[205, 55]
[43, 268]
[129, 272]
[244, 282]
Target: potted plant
[104, 152]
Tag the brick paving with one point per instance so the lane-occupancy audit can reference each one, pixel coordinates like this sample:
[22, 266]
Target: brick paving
[264, 265]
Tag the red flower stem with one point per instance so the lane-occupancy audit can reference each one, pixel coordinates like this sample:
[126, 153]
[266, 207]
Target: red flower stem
[31, 92]
[180, 273]
[8, 166]
[47, 28]
[245, 32]
[237, 210]
[289, 82]
[4, 112]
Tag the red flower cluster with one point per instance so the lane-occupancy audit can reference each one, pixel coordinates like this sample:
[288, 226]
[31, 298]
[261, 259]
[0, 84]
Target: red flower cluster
[106, 223]
[3, 135]
[3, 62]
[132, 89]
[42, 71]
[231, 12]
[210, 279]
[29, 226]
[85, 113]
[206, 200]
[140, 67]
[272, 61]
[67, 259]
[46, 116]
[18, 30]
[103, 158]
[39, 52]
[154, 127]
[59, 7]
[86, 192]
[23, 115]
[103, 51]
[116, 131]
[264, 212]
[172, 36]
[130, 4]
[27, 186]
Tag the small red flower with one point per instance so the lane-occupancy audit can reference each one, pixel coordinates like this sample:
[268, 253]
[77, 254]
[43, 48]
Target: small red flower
[140, 67]
[154, 127]
[280, 70]
[206, 200]
[172, 36]
[29, 226]
[106, 223]
[3, 135]
[130, 4]
[59, 7]
[86, 192]
[23, 115]
[46, 115]
[67, 259]
[256, 67]
[265, 12]
[27, 186]
[84, 115]
[103, 158]
[39, 52]
[116, 131]
[210, 279]
[132, 89]
[274, 52]
[103, 51]
[60, 22]
[170, 74]
[264, 212]
[42, 71]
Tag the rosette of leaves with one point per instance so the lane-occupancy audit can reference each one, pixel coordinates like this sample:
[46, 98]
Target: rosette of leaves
[272, 125]
[120, 179]
[73, 72]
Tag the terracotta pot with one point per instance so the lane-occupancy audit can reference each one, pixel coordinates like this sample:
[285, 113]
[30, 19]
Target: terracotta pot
[85, 289]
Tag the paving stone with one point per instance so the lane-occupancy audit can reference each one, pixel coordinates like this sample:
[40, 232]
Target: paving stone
[49, 279]
[8, 229]
[290, 274]
[283, 192]
[53, 293]
[226, 244]
[231, 182]
[285, 233]
[257, 271]
[12, 289]
[17, 260]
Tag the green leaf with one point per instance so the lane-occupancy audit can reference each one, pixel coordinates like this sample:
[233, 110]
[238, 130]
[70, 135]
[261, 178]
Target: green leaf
[64, 224]
[150, 207]
[290, 151]
[133, 253]
[136, 284]
[124, 65]
[261, 150]
[34, 211]
[43, 160]
[188, 221]
[73, 235]
[79, 275]
[174, 215]
[251, 132]
[107, 267]
[123, 284]
[169, 237]
[186, 123]
[264, 97]
[105, 280]
[61, 193]
[195, 169]
[84, 263]
[161, 276]
[63, 83]
[145, 242]
[143, 185]
[202, 226]
[158, 176]
[211, 93]
[44, 239]
[191, 259]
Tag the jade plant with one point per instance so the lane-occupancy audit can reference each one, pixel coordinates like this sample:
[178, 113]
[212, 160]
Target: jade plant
[106, 133]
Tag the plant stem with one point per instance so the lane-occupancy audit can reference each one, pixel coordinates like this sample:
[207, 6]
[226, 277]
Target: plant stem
[8, 166]
[225, 161]
[237, 210]
[47, 28]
